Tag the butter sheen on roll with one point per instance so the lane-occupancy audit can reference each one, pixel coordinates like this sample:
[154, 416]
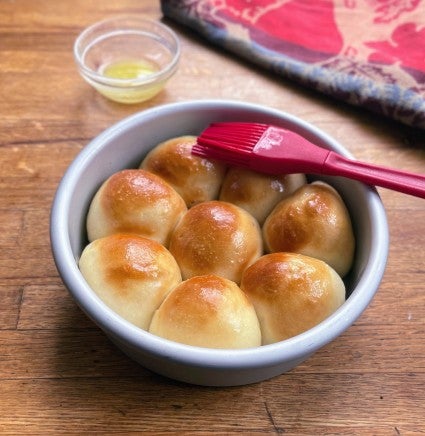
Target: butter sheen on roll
[208, 311]
[313, 221]
[195, 179]
[258, 193]
[291, 293]
[216, 237]
[135, 201]
[130, 274]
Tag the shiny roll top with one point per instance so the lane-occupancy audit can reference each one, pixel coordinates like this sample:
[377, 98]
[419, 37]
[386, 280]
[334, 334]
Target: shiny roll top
[215, 237]
[135, 201]
[313, 221]
[258, 193]
[291, 293]
[130, 274]
[194, 178]
[208, 311]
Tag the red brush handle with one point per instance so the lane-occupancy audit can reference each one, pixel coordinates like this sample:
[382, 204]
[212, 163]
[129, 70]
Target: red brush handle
[401, 181]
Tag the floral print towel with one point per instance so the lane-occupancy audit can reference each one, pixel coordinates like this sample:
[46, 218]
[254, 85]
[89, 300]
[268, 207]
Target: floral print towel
[369, 53]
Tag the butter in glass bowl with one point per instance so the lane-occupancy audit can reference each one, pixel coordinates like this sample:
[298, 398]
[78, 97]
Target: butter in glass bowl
[127, 59]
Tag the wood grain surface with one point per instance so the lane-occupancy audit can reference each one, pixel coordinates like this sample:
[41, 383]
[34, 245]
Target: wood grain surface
[59, 374]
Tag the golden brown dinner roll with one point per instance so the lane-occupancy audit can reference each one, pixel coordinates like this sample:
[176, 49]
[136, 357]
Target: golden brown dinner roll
[291, 293]
[195, 179]
[131, 274]
[208, 311]
[313, 221]
[135, 201]
[258, 193]
[215, 237]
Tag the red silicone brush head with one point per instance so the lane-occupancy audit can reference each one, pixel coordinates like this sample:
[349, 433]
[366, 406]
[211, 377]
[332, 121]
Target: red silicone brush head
[229, 142]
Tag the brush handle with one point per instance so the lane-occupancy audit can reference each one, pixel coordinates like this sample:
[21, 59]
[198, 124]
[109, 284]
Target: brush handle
[401, 181]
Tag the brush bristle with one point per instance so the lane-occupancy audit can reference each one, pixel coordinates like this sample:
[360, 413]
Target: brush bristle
[239, 136]
[230, 142]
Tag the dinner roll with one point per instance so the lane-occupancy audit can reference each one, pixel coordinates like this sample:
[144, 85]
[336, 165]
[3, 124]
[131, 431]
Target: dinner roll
[131, 274]
[216, 237]
[208, 311]
[135, 201]
[313, 221]
[258, 193]
[291, 293]
[195, 179]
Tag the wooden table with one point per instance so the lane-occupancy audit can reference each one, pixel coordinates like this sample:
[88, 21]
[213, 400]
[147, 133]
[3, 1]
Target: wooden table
[60, 374]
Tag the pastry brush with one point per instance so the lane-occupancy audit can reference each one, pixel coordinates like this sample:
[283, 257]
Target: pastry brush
[275, 150]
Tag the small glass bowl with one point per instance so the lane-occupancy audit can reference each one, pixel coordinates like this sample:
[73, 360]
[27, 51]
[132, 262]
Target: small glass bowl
[127, 59]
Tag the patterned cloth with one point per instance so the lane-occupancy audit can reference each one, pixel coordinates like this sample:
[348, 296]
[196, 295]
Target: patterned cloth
[369, 53]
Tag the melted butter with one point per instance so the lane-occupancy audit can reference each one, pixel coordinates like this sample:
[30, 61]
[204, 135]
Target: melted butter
[129, 69]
